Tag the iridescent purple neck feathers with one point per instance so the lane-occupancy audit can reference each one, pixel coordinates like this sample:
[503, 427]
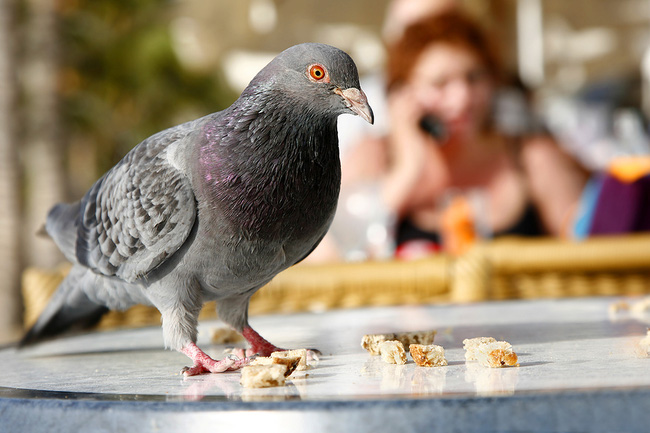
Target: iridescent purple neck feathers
[263, 166]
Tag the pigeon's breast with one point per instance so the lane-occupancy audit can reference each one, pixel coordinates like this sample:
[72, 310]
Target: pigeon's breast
[280, 201]
[269, 186]
[246, 239]
[276, 181]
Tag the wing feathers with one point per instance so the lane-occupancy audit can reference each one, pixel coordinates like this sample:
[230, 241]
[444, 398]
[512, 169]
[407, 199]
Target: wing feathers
[134, 217]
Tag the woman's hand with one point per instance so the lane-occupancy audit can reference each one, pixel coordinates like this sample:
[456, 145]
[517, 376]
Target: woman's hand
[418, 172]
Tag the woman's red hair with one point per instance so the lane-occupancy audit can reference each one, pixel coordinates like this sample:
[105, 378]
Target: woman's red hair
[451, 27]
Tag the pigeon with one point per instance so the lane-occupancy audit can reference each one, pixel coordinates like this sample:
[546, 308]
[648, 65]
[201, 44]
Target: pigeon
[211, 209]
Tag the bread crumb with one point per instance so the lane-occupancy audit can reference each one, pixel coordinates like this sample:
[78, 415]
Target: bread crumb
[296, 353]
[428, 355]
[616, 307]
[471, 345]
[392, 352]
[263, 376]
[371, 342]
[417, 337]
[291, 362]
[225, 336]
[496, 354]
[262, 360]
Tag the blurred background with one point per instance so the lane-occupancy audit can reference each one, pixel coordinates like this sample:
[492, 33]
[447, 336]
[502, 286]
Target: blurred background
[82, 82]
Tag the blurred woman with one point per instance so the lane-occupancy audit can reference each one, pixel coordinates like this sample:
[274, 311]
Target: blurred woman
[442, 75]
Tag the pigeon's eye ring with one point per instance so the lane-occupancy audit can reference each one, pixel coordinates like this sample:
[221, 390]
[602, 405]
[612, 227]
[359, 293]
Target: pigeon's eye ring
[318, 73]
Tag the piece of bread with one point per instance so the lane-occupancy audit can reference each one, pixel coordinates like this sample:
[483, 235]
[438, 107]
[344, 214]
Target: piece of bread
[371, 342]
[616, 307]
[428, 355]
[263, 376]
[291, 354]
[291, 362]
[392, 352]
[471, 345]
[262, 360]
[496, 354]
[489, 352]
[418, 337]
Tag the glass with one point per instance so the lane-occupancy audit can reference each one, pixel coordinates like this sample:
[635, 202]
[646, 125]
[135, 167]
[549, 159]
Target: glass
[363, 227]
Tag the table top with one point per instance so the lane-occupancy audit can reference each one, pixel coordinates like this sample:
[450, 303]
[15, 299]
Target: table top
[575, 358]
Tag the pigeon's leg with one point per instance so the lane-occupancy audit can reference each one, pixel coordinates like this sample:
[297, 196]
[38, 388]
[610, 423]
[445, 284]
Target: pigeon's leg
[180, 313]
[259, 345]
[205, 364]
[234, 311]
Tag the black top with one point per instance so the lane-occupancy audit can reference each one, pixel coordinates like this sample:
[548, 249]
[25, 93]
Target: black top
[529, 224]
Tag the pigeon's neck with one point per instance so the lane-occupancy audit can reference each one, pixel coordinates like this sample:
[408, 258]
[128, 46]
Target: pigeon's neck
[282, 135]
[264, 164]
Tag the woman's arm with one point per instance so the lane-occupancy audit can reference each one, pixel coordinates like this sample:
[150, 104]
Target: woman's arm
[556, 182]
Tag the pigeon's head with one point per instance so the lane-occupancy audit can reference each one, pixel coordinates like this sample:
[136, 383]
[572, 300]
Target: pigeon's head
[321, 76]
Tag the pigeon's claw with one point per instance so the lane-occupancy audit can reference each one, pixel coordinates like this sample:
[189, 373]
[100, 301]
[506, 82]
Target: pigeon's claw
[204, 364]
[313, 355]
[240, 352]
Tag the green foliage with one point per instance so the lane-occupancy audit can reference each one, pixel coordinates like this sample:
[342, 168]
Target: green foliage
[121, 80]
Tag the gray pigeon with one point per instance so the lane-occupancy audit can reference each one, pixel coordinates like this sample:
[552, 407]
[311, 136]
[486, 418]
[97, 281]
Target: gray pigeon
[211, 209]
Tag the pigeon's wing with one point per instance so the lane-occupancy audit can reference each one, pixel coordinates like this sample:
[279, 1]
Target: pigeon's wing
[140, 213]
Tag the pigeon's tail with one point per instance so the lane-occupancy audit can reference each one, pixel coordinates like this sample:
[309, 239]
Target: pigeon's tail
[69, 309]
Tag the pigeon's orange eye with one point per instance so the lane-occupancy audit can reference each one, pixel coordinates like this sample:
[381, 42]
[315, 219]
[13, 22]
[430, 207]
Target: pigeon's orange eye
[317, 72]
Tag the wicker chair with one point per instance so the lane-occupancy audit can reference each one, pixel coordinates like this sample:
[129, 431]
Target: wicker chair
[516, 268]
[507, 268]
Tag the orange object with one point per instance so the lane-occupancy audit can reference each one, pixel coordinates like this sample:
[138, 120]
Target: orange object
[458, 233]
[629, 169]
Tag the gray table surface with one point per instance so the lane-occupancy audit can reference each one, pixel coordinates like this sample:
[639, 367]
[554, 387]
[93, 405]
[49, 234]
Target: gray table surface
[578, 373]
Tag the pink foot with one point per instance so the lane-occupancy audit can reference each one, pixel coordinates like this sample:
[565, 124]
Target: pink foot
[204, 364]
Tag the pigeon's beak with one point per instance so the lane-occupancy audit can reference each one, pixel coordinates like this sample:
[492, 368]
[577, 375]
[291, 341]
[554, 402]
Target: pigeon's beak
[356, 101]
